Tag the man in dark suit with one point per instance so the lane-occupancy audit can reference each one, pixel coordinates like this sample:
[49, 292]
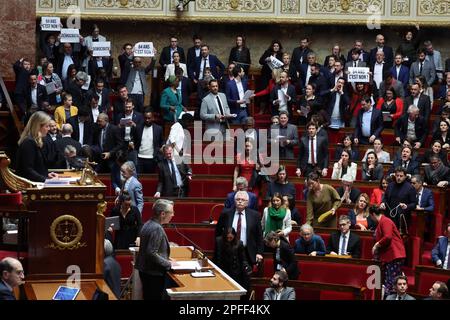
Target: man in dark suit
[135, 117]
[194, 51]
[107, 142]
[36, 97]
[283, 254]
[315, 157]
[22, 70]
[206, 60]
[83, 128]
[102, 93]
[251, 235]
[148, 141]
[420, 127]
[355, 61]
[338, 102]
[440, 253]
[286, 136]
[363, 54]
[406, 161]
[11, 276]
[97, 65]
[241, 185]
[388, 52]
[400, 72]
[173, 178]
[420, 100]
[379, 69]
[118, 107]
[344, 242]
[437, 173]
[425, 199]
[66, 139]
[111, 269]
[234, 91]
[369, 123]
[300, 54]
[125, 62]
[283, 97]
[66, 57]
[321, 80]
[75, 88]
[167, 53]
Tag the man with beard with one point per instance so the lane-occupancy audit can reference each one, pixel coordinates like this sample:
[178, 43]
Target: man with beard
[148, 142]
[278, 288]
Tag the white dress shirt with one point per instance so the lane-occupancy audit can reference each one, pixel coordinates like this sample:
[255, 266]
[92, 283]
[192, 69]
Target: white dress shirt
[243, 226]
[202, 61]
[365, 125]
[315, 149]
[81, 129]
[378, 73]
[341, 240]
[146, 148]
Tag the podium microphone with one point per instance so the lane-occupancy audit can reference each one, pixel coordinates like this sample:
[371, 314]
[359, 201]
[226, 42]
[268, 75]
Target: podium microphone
[197, 250]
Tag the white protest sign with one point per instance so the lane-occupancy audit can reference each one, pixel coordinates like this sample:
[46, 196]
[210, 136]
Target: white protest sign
[101, 49]
[70, 35]
[357, 74]
[275, 63]
[143, 49]
[50, 24]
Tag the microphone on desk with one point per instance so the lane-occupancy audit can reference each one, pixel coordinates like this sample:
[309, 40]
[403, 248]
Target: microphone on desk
[198, 252]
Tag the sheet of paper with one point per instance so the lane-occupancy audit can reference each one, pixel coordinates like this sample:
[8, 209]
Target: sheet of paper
[281, 97]
[70, 36]
[86, 85]
[182, 113]
[304, 110]
[247, 95]
[187, 265]
[50, 87]
[205, 274]
[275, 63]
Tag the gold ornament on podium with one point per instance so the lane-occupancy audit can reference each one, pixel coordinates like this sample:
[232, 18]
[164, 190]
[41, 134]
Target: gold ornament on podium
[66, 232]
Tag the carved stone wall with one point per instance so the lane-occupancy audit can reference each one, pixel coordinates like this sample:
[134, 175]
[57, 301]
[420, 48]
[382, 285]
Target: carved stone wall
[18, 20]
[393, 12]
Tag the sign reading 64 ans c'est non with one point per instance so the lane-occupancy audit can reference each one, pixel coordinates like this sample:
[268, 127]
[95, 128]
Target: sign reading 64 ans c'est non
[358, 74]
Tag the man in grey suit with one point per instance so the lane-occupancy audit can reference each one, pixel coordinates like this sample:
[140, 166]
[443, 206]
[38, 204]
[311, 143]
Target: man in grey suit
[153, 260]
[355, 62]
[137, 82]
[278, 288]
[422, 67]
[287, 136]
[401, 285]
[215, 111]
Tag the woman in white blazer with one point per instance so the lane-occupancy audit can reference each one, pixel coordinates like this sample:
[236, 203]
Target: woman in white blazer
[170, 70]
[344, 166]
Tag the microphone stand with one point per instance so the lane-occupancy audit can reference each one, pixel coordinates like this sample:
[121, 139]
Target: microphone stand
[197, 253]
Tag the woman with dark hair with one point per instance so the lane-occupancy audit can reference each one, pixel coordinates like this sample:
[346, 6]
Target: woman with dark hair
[296, 218]
[377, 194]
[436, 150]
[230, 256]
[424, 88]
[308, 105]
[372, 170]
[283, 255]
[336, 54]
[347, 144]
[330, 63]
[359, 215]
[276, 217]
[392, 104]
[130, 223]
[443, 135]
[281, 184]
[71, 73]
[240, 54]
[409, 45]
[321, 199]
[53, 84]
[275, 50]
[344, 166]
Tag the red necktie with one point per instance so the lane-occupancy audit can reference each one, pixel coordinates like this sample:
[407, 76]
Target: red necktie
[313, 161]
[238, 227]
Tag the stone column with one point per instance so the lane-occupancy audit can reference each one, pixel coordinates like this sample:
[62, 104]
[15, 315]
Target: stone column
[17, 34]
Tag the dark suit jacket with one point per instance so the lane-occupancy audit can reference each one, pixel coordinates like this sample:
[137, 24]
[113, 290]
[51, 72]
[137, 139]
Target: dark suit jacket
[290, 92]
[376, 123]
[93, 67]
[76, 57]
[424, 105]
[125, 66]
[353, 244]
[252, 201]
[255, 243]
[105, 99]
[111, 274]
[386, 68]
[322, 153]
[287, 260]
[166, 185]
[365, 56]
[401, 128]
[78, 94]
[41, 96]
[62, 143]
[413, 166]
[297, 54]
[403, 75]
[440, 250]
[343, 103]
[137, 118]
[354, 193]
[388, 56]
[321, 81]
[5, 293]
[166, 59]
[158, 139]
[30, 161]
[232, 94]
[186, 89]
[21, 79]
[217, 67]
[191, 56]
[88, 134]
[113, 139]
[242, 56]
[427, 200]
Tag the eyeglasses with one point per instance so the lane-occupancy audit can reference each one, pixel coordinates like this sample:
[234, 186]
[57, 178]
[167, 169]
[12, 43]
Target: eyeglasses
[342, 224]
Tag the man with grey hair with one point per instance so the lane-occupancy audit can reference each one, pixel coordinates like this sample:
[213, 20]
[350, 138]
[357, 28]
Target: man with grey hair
[75, 89]
[420, 100]
[111, 269]
[131, 185]
[153, 260]
[241, 185]
[344, 242]
[247, 223]
[347, 193]
[11, 276]
[309, 243]
[412, 126]
[137, 82]
[66, 140]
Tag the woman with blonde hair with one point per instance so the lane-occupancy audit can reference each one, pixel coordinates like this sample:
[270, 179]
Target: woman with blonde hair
[359, 215]
[277, 217]
[64, 112]
[30, 158]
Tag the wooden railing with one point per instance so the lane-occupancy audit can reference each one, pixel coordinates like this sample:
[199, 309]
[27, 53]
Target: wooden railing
[17, 123]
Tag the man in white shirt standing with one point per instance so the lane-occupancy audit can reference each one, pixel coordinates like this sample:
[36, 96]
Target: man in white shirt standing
[148, 142]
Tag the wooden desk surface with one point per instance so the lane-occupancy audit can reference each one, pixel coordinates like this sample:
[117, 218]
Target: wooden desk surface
[45, 289]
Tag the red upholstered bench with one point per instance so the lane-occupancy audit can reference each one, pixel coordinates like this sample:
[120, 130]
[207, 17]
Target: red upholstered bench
[203, 237]
[10, 200]
[125, 259]
[426, 276]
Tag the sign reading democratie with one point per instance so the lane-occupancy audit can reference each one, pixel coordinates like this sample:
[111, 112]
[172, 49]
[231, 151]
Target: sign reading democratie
[50, 24]
[101, 49]
[70, 35]
[143, 49]
[357, 74]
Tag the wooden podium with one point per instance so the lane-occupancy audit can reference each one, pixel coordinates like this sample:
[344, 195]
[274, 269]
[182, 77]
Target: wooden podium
[68, 229]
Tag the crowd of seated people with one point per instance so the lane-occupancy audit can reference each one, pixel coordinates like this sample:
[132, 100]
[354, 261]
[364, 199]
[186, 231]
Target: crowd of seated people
[125, 138]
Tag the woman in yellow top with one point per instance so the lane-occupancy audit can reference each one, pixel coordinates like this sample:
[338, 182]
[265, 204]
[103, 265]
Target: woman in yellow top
[321, 198]
[64, 112]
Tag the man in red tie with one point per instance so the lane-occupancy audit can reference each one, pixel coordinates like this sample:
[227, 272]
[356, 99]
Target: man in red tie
[247, 223]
